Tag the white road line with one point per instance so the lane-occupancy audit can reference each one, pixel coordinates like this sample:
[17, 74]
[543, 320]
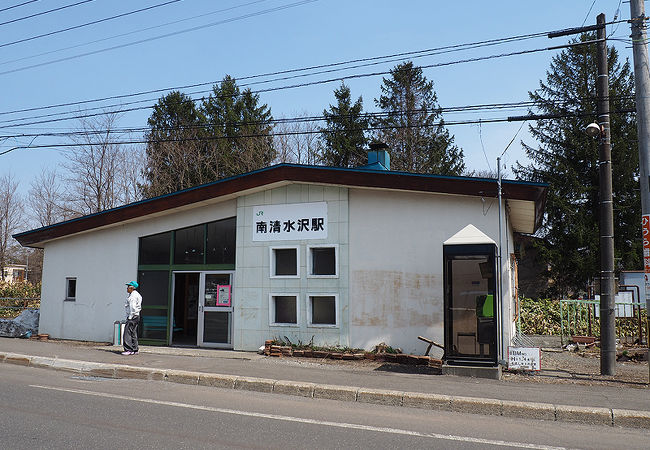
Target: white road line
[353, 426]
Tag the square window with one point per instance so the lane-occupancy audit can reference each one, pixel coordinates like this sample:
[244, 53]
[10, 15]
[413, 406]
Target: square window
[283, 309]
[70, 288]
[285, 262]
[323, 310]
[323, 261]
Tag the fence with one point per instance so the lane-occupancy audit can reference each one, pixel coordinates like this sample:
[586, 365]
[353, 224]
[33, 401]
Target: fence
[581, 318]
[11, 307]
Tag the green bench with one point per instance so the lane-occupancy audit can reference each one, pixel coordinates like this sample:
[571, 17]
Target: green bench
[156, 324]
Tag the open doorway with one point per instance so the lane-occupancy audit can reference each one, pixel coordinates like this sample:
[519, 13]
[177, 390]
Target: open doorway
[202, 310]
[186, 312]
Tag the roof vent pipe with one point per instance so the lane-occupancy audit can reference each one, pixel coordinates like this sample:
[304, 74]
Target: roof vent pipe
[378, 157]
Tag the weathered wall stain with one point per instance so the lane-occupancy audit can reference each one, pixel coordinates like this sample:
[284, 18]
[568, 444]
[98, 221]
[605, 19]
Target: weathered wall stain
[395, 299]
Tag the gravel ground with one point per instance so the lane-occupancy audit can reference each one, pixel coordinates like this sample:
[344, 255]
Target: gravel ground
[583, 367]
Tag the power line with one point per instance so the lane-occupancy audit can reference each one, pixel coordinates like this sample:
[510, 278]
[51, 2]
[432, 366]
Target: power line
[94, 22]
[309, 132]
[130, 32]
[279, 8]
[16, 6]
[312, 83]
[410, 54]
[317, 118]
[45, 12]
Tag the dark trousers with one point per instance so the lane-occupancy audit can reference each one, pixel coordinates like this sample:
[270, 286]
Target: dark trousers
[131, 334]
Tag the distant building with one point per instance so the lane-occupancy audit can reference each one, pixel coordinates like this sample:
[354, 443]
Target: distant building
[334, 256]
[14, 273]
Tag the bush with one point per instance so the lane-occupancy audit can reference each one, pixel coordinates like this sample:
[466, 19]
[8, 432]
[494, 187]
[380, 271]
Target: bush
[20, 294]
[543, 316]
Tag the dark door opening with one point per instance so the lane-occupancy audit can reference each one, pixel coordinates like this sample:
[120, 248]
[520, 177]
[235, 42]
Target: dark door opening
[186, 312]
[471, 305]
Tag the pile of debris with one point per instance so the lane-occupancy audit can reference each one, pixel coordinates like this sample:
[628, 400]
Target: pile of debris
[23, 326]
[379, 354]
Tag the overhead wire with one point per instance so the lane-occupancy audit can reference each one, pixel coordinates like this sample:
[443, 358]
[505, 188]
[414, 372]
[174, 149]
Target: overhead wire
[175, 33]
[18, 5]
[2, 63]
[42, 13]
[283, 133]
[410, 54]
[312, 83]
[83, 25]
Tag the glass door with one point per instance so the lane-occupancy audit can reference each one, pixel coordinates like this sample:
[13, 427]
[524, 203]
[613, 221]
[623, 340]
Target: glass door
[215, 310]
[470, 303]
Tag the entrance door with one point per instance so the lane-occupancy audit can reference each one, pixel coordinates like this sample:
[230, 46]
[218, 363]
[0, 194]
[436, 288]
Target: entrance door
[470, 304]
[215, 310]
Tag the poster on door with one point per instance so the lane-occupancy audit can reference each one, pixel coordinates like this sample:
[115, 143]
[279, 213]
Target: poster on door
[223, 295]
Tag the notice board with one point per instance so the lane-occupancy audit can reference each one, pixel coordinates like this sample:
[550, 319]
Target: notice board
[524, 358]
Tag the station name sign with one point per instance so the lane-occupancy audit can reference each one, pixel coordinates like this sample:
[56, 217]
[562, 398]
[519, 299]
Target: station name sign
[295, 221]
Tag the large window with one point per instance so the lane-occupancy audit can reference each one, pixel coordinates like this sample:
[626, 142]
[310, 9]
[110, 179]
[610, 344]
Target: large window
[323, 310]
[323, 261]
[155, 249]
[220, 243]
[154, 287]
[189, 247]
[285, 262]
[283, 309]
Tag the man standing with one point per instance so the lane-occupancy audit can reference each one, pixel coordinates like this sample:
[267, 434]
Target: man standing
[132, 306]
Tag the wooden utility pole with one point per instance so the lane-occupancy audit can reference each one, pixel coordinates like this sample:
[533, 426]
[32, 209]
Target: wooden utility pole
[607, 295]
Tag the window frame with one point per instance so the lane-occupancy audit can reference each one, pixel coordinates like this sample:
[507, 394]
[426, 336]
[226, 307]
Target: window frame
[272, 261]
[67, 298]
[272, 321]
[310, 310]
[310, 260]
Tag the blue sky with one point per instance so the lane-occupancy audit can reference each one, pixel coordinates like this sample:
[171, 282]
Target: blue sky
[253, 38]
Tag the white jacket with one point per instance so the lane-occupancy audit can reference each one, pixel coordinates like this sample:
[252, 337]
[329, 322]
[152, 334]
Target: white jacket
[133, 305]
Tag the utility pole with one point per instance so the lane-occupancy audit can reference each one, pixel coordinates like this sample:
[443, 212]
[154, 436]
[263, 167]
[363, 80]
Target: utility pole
[607, 300]
[642, 93]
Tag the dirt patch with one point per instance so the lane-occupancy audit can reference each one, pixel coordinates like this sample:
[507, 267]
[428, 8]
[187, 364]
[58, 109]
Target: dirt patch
[583, 367]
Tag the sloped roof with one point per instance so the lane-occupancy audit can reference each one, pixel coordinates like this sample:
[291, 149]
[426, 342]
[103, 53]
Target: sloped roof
[526, 199]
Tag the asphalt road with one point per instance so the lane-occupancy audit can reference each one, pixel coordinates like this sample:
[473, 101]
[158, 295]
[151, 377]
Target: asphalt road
[41, 409]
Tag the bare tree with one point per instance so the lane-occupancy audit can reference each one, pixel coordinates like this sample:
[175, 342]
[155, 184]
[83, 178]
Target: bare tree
[101, 174]
[297, 141]
[46, 198]
[130, 178]
[10, 216]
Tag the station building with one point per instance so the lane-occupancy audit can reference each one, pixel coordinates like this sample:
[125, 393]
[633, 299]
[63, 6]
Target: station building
[323, 255]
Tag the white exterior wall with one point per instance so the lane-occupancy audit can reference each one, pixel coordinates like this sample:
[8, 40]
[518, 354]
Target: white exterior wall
[102, 262]
[396, 263]
[253, 283]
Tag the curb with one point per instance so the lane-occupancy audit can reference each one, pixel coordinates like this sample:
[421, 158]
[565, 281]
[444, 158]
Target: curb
[471, 405]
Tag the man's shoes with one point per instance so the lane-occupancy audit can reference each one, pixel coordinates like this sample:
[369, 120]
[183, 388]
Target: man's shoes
[128, 353]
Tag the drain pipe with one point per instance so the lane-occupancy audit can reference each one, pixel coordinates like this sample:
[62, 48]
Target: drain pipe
[500, 336]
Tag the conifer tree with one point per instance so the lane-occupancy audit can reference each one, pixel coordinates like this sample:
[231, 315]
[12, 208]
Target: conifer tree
[567, 159]
[412, 125]
[344, 135]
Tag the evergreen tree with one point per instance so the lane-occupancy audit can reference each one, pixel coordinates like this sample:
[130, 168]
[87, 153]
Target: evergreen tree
[240, 128]
[344, 136]
[567, 159]
[228, 134]
[413, 127]
[175, 154]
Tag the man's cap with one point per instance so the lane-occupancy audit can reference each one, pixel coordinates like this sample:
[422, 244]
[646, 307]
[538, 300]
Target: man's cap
[133, 284]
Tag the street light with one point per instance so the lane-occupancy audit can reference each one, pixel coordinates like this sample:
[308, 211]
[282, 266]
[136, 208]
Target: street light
[593, 130]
